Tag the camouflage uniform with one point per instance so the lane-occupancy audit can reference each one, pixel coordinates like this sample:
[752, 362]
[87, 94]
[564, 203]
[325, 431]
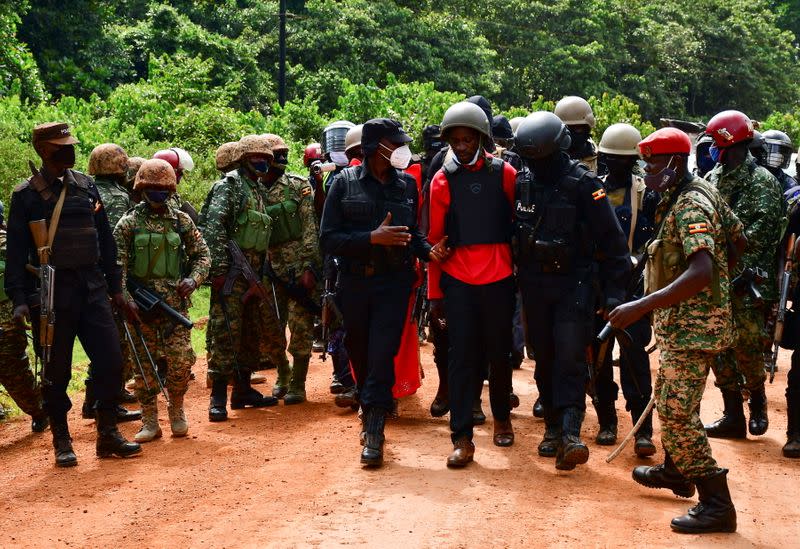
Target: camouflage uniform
[290, 259]
[692, 333]
[755, 197]
[229, 200]
[116, 202]
[15, 373]
[166, 343]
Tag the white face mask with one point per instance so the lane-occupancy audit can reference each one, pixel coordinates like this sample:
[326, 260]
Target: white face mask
[400, 157]
[339, 158]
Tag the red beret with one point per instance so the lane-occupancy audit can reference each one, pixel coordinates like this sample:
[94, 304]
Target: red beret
[665, 141]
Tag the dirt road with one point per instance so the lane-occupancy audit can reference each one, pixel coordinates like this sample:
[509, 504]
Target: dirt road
[289, 476]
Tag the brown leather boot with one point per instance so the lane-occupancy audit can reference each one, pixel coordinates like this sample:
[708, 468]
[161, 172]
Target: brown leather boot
[463, 452]
[503, 433]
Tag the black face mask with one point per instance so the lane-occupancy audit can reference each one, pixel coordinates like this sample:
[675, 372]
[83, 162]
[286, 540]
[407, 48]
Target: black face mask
[617, 168]
[281, 160]
[547, 170]
[64, 156]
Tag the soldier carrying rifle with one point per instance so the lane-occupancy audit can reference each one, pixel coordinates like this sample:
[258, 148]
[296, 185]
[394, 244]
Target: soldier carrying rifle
[158, 244]
[58, 226]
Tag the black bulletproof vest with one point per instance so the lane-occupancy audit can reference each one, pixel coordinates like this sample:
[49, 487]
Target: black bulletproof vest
[75, 244]
[479, 212]
[547, 218]
[363, 212]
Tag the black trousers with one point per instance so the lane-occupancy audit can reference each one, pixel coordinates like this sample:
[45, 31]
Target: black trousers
[634, 368]
[479, 319]
[559, 317]
[374, 310]
[82, 310]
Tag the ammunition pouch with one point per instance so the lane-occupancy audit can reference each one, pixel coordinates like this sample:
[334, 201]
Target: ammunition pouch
[286, 223]
[665, 263]
[253, 230]
[553, 257]
[156, 255]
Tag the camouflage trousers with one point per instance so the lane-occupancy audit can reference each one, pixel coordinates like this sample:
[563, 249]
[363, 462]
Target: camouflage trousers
[171, 349]
[242, 342]
[15, 372]
[301, 327]
[679, 387]
[742, 366]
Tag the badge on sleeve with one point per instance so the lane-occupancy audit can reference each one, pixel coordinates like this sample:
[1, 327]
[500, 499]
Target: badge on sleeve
[599, 194]
[698, 228]
[305, 191]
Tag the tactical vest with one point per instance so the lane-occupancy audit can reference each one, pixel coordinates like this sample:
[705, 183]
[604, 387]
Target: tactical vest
[479, 212]
[253, 228]
[156, 255]
[666, 261]
[76, 244]
[286, 223]
[362, 212]
[549, 235]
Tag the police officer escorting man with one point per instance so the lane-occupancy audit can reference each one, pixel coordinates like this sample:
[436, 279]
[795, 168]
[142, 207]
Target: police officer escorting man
[567, 242]
[688, 292]
[369, 221]
[470, 213]
[84, 256]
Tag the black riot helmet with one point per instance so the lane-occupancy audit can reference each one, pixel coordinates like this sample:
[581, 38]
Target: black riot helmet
[540, 135]
[779, 149]
[432, 139]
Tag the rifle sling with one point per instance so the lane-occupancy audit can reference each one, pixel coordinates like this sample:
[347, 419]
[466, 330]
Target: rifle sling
[51, 233]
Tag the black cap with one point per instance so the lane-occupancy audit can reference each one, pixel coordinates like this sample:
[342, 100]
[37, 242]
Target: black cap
[381, 128]
[501, 128]
[53, 132]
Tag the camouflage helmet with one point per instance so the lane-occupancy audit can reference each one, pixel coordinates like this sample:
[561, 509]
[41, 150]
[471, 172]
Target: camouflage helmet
[108, 159]
[227, 156]
[276, 142]
[254, 144]
[467, 115]
[353, 137]
[134, 163]
[620, 139]
[155, 175]
[541, 134]
[575, 111]
[515, 122]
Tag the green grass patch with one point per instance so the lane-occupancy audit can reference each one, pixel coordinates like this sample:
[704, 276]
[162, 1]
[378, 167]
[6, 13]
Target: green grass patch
[80, 362]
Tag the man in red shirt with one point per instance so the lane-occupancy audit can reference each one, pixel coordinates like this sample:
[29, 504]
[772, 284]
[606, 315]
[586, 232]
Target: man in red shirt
[471, 211]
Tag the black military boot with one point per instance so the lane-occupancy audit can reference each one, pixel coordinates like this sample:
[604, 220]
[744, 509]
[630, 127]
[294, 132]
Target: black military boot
[552, 434]
[792, 447]
[715, 511]
[62, 442]
[643, 445]
[39, 423]
[123, 414]
[441, 403]
[478, 417]
[372, 453]
[243, 394]
[572, 451]
[732, 423]
[607, 418]
[87, 410]
[538, 408]
[664, 475]
[217, 407]
[110, 441]
[759, 422]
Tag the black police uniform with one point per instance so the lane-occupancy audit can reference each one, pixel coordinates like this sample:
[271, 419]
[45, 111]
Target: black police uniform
[635, 376]
[375, 281]
[791, 339]
[84, 256]
[567, 240]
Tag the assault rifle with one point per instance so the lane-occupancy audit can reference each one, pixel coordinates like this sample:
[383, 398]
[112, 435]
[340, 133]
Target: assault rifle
[786, 277]
[296, 292]
[747, 281]
[47, 279]
[328, 308]
[149, 301]
[241, 267]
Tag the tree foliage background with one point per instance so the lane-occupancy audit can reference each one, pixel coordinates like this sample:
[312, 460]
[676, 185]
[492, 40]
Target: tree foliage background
[197, 73]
